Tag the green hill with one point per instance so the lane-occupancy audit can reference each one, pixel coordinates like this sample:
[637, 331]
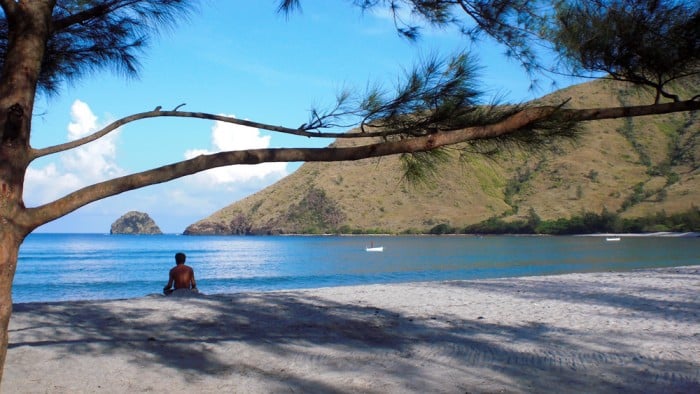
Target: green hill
[632, 167]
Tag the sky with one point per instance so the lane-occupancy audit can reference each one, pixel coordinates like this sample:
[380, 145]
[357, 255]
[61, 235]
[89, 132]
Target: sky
[237, 58]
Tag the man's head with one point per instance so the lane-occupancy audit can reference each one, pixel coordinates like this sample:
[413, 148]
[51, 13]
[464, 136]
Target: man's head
[180, 258]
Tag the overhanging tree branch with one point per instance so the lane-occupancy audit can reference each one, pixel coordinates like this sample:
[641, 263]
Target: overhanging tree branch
[36, 216]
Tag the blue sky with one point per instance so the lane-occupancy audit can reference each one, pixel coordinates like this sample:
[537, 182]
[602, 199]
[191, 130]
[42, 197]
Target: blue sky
[237, 58]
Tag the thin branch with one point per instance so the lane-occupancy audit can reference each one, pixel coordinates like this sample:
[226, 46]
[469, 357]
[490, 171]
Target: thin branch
[36, 153]
[99, 10]
[582, 115]
[303, 131]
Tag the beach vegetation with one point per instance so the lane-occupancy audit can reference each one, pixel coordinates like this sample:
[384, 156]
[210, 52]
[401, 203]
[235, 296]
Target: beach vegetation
[436, 104]
[315, 214]
[592, 223]
[442, 228]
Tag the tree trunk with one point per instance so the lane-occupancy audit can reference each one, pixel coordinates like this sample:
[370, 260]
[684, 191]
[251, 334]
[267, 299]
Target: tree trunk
[10, 240]
[29, 26]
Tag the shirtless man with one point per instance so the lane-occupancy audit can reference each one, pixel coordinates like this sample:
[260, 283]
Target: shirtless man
[182, 276]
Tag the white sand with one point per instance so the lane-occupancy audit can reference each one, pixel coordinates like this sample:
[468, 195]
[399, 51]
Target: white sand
[602, 332]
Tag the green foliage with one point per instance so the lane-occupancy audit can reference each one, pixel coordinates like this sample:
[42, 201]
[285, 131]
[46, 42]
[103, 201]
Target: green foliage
[685, 143]
[646, 42]
[661, 195]
[591, 223]
[442, 228]
[315, 213]
[423, 167]
[89, 35]
[494, 225]
[638, 195]
[515, 186]
[592, 175]
[256, 206]
[671, 178]
[358, 231]
[509, 22]
[680, 222]
[533, 138]
[437, 94]
[586, 223]
[629, 133]
[533, 219]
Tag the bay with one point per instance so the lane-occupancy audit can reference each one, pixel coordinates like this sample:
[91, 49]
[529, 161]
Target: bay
[58, 267]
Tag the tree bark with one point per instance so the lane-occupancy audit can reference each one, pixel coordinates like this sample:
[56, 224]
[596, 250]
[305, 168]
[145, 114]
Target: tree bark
[10, 240]
[29, 23]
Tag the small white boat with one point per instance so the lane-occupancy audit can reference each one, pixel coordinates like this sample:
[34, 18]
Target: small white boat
[612, 239]
[372, 248]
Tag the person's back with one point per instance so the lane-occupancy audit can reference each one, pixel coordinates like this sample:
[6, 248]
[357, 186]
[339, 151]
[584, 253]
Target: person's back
[181, 276]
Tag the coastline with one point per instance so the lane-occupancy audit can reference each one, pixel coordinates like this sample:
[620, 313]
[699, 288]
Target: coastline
[598, 332]
[689, 234]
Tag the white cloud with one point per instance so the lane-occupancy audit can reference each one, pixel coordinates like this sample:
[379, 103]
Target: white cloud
[95, 161]
[84, 121]
[177, 203]
[76, 168]
[47, 183]
[230, 137]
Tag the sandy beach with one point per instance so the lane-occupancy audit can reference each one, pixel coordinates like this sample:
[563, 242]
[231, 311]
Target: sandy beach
[596, 332]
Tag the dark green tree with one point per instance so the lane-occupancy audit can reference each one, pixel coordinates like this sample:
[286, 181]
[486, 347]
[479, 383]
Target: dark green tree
[44, 43]
[646, 42]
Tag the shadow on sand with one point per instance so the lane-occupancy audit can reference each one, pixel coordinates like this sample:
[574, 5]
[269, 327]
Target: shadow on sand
[198, 336]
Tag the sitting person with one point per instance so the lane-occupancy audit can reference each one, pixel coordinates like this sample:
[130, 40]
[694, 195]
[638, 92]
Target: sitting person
[181, 276]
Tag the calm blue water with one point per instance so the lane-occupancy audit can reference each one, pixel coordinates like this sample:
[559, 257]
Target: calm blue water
[55, 267]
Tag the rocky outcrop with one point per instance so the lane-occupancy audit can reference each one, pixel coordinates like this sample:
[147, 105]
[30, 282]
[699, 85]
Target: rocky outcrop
[135, 223]
[207, 228]
[315, 213]
[239, 225]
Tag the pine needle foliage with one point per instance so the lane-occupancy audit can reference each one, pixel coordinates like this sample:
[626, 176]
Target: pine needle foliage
[646, 42]
[435, 95]
[512, 23]
[423, 167]
[91, 35]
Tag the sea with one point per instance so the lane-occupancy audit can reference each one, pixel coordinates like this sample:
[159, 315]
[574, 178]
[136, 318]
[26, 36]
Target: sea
[60, 267]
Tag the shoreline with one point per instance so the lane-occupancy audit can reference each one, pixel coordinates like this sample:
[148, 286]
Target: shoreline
[314, 288]
[598, 332]
[688, 234]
